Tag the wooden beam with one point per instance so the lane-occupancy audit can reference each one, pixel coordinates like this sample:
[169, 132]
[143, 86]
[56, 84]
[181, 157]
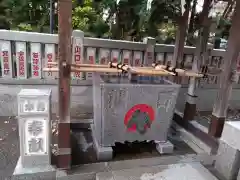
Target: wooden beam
[64, 55]
[230, 62]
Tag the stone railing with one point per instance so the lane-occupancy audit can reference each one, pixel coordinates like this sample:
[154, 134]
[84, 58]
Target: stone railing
[23, 54]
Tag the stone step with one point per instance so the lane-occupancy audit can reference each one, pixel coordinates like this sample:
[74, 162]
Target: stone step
[91, 171]
[193, 141]
[186, 171]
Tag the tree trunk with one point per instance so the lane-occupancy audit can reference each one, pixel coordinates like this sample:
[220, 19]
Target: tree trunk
[191, 23]
[180, 37]
[228, 9]
[206, 8]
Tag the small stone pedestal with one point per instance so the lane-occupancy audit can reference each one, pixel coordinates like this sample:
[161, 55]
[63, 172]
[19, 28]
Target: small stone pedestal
[46, 172]
[164, 147]
[238, 177]
[103, 153]
[34, 121]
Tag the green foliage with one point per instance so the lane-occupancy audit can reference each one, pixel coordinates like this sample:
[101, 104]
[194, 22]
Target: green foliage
[87, 19]
[167, 32]
[26, 14]
[24, 27]
[99, 28]
[223, 28]
[4, 24]
[130, 19]
[162, 12]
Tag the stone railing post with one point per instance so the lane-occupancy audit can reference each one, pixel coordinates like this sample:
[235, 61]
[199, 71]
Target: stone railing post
[34, 121]
[6, 62]
[78, 52]
[149, 55]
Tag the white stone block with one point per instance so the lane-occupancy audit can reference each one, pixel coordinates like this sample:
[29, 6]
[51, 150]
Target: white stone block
[34, 121]
[238, 177]
[231, 130]
[227, 161]
[164, 147]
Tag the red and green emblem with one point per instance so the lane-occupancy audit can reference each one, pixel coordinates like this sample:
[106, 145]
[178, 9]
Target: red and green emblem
[139, 118]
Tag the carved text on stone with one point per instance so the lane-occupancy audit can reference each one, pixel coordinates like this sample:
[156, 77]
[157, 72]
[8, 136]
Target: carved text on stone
[35, 145]
[35, 128]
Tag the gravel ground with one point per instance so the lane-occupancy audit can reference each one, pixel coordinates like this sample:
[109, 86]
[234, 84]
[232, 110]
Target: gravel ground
[204, 117]
[9, 146]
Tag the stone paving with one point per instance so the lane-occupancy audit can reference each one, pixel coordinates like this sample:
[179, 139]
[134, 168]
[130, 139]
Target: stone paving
[186, 171]
[83, 151]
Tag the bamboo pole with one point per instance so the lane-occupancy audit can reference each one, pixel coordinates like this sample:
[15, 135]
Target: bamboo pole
[107, 69]
[86, 69]
[110, 70]
[82, 65]
[54, 69]
[148, 72]
[106, 66]
[94, 65]
[170, 68]
[128, 69]
[211, 70]
[181, 72]
[92, 69]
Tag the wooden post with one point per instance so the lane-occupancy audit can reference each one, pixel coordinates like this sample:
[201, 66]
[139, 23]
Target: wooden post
[190, 106]
[64, 53]
[230, 61]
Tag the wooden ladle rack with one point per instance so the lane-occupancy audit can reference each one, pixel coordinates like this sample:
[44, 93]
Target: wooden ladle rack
[160, 70]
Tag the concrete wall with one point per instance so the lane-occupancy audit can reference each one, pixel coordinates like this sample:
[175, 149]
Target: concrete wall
[81, 97]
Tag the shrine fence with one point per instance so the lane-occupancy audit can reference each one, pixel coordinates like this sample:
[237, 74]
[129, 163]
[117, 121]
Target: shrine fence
[23, 54]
